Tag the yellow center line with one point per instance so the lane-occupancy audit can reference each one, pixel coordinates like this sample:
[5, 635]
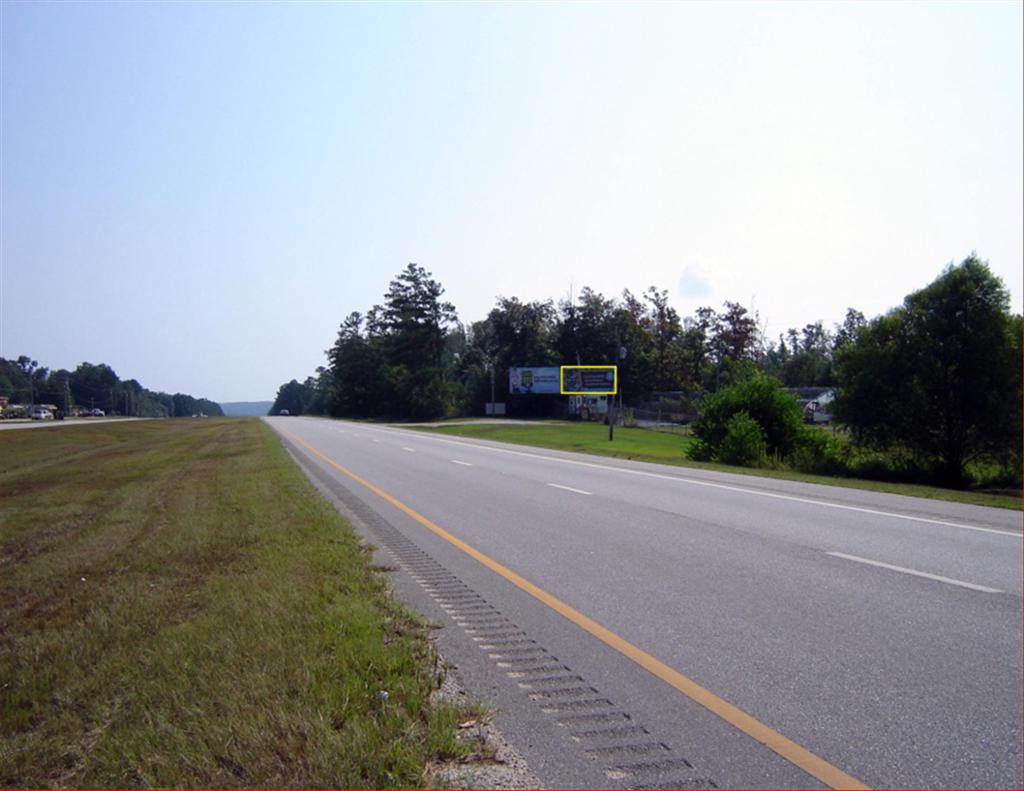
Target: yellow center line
[817, 767]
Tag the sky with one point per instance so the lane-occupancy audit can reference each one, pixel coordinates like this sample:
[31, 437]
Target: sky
[198, 193]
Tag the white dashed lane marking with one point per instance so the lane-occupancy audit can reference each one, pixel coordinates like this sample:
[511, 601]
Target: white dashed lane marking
[569, 488]
[915, 573]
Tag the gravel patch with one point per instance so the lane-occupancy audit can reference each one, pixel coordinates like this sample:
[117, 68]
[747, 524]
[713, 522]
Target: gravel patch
[493, 764]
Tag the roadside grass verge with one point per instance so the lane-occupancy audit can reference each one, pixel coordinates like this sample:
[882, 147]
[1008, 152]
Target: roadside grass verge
[583, 437]
[179, 607]
[670, 447]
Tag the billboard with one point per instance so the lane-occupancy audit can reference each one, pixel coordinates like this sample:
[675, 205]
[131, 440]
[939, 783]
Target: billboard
[527, 381]
[589, 380]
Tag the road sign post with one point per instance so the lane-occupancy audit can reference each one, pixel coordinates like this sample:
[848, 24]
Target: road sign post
[592, 380]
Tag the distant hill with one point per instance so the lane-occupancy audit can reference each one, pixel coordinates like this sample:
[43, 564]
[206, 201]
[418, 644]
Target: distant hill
[246, 408]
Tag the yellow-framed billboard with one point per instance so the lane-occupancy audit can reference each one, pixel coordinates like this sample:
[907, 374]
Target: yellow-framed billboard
[588, 379]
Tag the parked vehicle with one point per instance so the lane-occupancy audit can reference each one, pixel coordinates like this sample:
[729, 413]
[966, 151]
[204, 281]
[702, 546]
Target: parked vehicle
[41, 413]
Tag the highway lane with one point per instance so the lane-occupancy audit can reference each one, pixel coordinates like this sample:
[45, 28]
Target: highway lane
[766, 593]
[14, 425]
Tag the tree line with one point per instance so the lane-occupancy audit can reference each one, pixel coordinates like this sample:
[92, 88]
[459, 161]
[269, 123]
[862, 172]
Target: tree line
[410, 357]
[24, 381]
[936, 380]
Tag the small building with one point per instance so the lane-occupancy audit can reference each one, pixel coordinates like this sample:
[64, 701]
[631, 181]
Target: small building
[815, 402]
[12, 411]
[588, 407]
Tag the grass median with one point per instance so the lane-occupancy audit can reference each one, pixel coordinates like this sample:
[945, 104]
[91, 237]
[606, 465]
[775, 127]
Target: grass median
[670, 447]
[179, 607]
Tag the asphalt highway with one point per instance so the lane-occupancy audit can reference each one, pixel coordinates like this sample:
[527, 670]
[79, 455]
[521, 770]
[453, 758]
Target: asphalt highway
[9, 425]
[640, 625]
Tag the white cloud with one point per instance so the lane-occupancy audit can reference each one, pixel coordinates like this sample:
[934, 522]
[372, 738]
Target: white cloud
[695, 283]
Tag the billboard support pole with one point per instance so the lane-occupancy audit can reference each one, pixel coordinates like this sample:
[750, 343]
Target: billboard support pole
[620, 355]
[611, 399]
[593, 380]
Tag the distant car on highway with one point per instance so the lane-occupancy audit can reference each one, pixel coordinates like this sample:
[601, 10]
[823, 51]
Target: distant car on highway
[284, 413]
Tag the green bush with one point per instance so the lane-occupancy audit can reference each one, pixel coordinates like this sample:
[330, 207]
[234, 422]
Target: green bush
[700, 451]
[743, 443]
[895, 465]
[821, 453]
[762, 398]
[996, 476]
[428, 397]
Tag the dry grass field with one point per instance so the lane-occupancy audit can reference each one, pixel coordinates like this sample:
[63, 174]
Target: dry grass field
[179, 607]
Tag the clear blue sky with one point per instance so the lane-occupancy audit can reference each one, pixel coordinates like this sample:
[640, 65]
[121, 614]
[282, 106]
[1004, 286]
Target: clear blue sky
[198, 193]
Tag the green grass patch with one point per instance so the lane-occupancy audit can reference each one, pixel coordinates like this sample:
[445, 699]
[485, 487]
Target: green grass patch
[670, 447]
[629, 443]
[180, 607]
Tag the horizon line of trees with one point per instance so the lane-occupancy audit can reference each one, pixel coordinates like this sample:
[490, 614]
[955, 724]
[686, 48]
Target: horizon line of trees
[98, 386]
[410, 357]
[938, 377]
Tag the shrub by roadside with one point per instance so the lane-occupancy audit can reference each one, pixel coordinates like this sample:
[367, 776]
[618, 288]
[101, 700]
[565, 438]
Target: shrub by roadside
[764, 402]
[723, 434]
[743, 443]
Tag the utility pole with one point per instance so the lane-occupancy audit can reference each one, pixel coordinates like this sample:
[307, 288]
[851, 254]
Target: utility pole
[611, 405]
[622, 409]
[611, 398]
[620, 355]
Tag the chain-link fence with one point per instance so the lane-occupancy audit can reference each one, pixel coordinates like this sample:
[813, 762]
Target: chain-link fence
[664, 410]
[656, 418]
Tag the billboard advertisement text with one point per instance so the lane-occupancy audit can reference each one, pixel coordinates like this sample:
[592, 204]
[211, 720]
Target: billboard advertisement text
[589, 380]
[527, 381]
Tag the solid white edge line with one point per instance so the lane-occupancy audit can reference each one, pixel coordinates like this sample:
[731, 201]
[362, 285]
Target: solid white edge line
[727, 487]
[914, 572]
[569, 488]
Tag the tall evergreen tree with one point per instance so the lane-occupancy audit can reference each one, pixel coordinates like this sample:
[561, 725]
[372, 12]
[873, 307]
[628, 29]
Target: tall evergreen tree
[666, 329]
